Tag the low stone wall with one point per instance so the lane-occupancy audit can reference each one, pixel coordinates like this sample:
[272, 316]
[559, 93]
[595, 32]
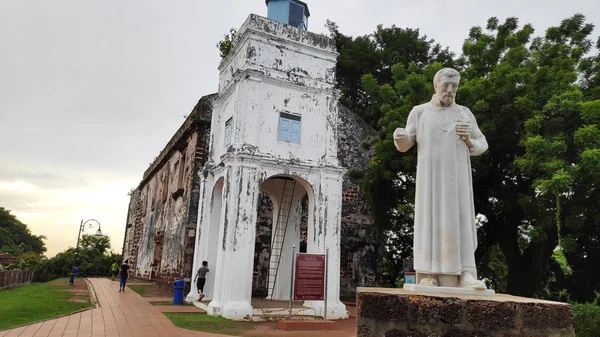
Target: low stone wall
[398, 313]
[15, 278]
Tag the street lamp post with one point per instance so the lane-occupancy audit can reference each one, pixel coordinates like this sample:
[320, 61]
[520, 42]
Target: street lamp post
[82, 226]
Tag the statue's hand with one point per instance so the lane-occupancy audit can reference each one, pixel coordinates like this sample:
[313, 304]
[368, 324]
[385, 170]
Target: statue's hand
[400, 133]
[464, 129]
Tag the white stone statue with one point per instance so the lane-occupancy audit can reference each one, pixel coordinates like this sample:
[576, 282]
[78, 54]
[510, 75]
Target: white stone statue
[445, 234]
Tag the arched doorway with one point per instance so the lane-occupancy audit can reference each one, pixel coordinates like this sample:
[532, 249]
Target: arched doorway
[281, 229]
[213, 238]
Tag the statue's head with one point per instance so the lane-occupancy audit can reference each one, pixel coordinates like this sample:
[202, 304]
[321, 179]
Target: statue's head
[445, 83]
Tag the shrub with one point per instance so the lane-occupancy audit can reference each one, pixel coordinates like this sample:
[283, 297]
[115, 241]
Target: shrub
[586, 320]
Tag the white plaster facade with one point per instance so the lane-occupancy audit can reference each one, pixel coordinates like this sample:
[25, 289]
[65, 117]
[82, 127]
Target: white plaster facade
[273, 68]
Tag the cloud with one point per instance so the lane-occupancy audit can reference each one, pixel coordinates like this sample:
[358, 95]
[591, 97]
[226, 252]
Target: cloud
[55, 210]
[15, 186]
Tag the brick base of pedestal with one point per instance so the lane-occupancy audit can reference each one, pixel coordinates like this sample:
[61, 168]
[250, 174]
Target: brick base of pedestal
[400, 313]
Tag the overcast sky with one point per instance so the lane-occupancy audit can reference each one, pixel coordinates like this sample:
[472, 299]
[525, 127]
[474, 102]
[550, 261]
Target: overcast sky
[91, 91]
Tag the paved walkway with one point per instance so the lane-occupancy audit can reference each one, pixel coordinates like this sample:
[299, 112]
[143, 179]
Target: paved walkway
[125, 314]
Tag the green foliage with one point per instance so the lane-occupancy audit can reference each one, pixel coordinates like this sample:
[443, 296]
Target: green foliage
[16, 238]
[94, 259]
[561, 259]
[30, 261]
[376, 54]
[497, 269]
[355, 175]
[586, 319]
[35, 302]
[226, 45]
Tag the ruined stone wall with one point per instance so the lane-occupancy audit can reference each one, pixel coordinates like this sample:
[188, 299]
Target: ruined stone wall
[359, 246]
[165, 199]
[133, 230]
[264, 227]
[164, 208]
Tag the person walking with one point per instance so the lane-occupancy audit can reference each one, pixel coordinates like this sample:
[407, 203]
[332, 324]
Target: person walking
[201, 277]
[124, 274]
[114, 270]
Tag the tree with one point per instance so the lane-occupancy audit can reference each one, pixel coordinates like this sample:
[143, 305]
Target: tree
[16, 238]
[390, 181]
[375, 54]
[525, 95]
[94, 259]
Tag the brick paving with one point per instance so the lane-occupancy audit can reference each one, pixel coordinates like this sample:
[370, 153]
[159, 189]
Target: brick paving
[125, 314]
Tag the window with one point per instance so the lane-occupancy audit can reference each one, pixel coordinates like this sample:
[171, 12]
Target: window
[182, 170]
[289, 127]
[296, 15]
[228, 126]
[165, 190]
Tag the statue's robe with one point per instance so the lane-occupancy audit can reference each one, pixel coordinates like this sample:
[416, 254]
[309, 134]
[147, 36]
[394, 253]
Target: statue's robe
[445, 234]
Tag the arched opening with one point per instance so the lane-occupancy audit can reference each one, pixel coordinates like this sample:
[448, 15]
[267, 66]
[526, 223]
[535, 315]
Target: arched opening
[213, 237]
[281, 229]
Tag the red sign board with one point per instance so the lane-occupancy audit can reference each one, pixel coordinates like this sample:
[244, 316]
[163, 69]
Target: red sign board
[309, 279]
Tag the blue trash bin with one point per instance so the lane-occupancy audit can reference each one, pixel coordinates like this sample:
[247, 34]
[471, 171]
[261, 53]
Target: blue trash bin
[178, 292]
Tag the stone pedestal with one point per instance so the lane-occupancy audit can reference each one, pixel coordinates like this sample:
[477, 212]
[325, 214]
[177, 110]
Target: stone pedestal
[456, 291]
[400, 313]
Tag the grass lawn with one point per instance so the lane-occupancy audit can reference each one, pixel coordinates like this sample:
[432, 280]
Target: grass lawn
[139, 289]
[37, 302]
[207, 323]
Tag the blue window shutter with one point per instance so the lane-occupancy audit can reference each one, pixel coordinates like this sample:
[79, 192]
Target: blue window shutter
[296, 15]
[228, 131]
[284, 129]
[295, 132]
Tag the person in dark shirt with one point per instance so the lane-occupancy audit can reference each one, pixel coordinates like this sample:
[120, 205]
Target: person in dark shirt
[201, 277]
[124, 274]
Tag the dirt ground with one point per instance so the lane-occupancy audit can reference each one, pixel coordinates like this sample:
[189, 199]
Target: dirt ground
[78, 290]
[346, 328]
[150, 290]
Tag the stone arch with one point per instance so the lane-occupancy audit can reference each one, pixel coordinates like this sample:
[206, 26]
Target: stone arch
[213, 228]
[273, 260]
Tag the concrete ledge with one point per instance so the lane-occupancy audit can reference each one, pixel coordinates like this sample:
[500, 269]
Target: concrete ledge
[448, 290]
[304, 325]
[92, 292]
[398, 313]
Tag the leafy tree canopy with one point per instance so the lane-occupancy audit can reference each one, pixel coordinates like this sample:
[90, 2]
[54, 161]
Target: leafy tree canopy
[16, 238]
[94, 259]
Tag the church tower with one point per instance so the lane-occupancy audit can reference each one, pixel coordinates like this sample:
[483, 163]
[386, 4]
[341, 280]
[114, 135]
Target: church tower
[273, 129]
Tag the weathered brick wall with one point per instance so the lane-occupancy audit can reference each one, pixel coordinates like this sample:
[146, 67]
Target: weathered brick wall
[15, 278]
[133, 230]
[359, 246]
[164, 209]
[264, 226]
[401, 313]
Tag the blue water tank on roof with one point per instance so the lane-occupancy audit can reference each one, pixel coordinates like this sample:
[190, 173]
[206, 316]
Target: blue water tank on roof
[291, 12]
